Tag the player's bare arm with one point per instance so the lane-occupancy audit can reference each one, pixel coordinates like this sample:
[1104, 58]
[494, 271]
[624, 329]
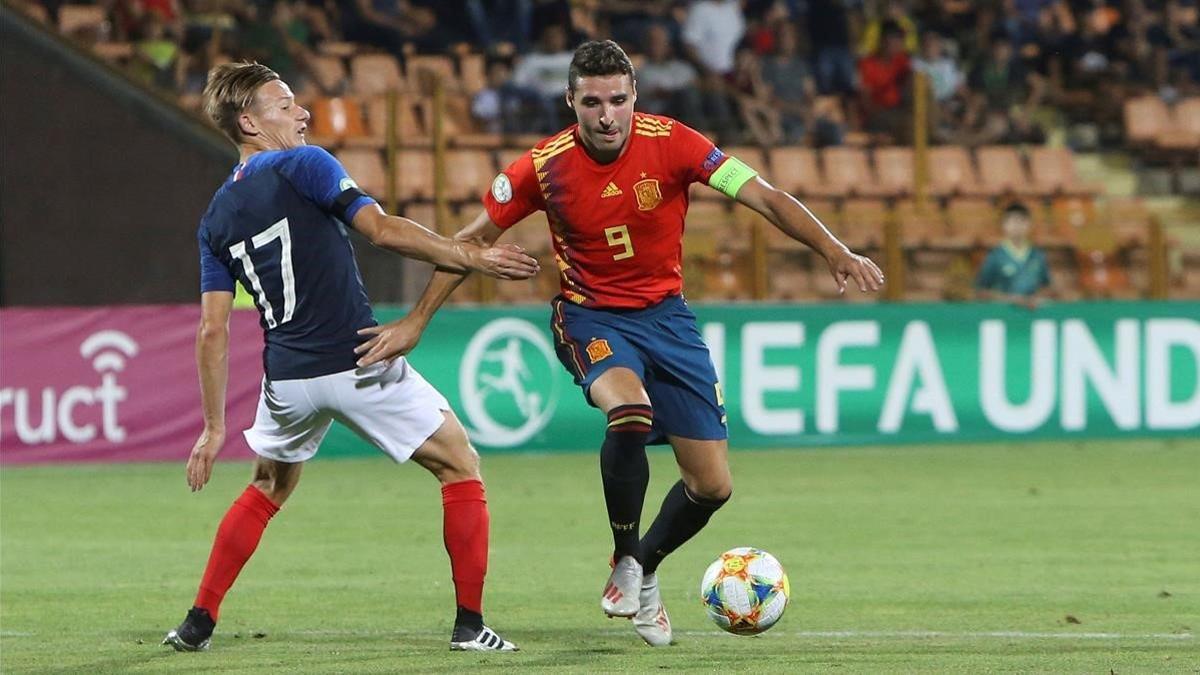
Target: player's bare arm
[400, 337]
[409, 238]
[796, 221]
[212, 362]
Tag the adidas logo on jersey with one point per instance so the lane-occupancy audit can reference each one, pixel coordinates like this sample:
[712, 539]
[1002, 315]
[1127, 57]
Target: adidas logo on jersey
[611, 190]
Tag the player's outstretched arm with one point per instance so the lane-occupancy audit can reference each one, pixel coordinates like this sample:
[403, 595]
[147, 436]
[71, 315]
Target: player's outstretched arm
[212, 362]
[411, 239]
[401, 336]
[796, 221]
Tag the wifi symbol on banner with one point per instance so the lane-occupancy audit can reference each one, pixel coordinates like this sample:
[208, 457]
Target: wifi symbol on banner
[111, 349]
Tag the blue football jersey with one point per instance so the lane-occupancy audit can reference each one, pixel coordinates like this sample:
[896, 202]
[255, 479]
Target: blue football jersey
[278, 225]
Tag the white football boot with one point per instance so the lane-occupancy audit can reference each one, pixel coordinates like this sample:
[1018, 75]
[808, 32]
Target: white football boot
[486, 641]
[651, 621]
[620, 597]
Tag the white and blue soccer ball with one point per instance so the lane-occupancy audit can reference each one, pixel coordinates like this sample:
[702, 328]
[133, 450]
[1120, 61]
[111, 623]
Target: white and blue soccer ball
[745, 591]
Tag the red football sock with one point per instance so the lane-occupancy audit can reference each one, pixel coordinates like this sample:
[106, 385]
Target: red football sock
[237, 537]
[465, 530]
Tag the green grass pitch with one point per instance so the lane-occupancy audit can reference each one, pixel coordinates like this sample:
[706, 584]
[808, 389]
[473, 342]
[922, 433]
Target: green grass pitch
[1064, 557]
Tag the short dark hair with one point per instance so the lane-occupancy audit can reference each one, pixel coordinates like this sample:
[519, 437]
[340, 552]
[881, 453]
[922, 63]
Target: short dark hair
[1016, 209]
[598, 58]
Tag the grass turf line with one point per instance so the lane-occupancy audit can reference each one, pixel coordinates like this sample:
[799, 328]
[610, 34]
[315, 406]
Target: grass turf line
[952, 558]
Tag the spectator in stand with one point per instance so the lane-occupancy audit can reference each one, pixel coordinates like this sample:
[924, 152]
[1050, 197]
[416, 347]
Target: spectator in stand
[791, 82]
[1015, 271]
[503, 107]
[156, 54]
[543, 70]
[629, 21]
[885, 75]
[666, 84]
[754, 99]
[893, 11]
[279, 38]
[397, 26]
[501, 26]
[711, 32]
[829, 34]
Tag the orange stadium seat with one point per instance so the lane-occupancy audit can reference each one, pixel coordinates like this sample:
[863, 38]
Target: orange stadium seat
[972, 221]
[847, 172]
[337, 118]
[469, 174]
[894, 167]
[414, 174]
[1146, 118]
[1187, 120]
[409, 131]
[473, 69]
[1001, 171]
[375, 74]
[920, 226]
[862, 223]
[1070, 216]
[425, 213]
[790, 278]
[1128, 219]
[506, 156]
[706, 226]
[951, 172]
[423, 70]
[1100, 275]
[75, 18]
[330, 73]
[1053, 172]
[366, 167]
[794, 169]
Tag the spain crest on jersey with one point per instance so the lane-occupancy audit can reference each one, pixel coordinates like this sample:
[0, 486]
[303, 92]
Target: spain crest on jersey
[647, 193]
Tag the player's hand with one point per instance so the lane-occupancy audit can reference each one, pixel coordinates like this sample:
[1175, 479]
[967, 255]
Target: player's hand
[389, 340]
[204, 453]
[504, 261]
[846, 265]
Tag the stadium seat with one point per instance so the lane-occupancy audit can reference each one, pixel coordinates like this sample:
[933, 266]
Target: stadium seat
[794, 170]
[506, 156]
[951, 172]
[894, 168]
[1070, 216]
[425, 213]
[77, 18]
[409, 131]
[469, 174]
[707, 226]
[1129, 220]
[1001, 171]
[824, 209]
[1100, 275]
[925, 226]
[790, 278]
[847, 172]
[423, 70]
[375, 74]
[366, 167]
[414, 174]
[1187, 121]
[473, 69]
[1053, 172]
[337, 118]
[862, 223]
[972, 221]
[329, 72]
[1146, 118]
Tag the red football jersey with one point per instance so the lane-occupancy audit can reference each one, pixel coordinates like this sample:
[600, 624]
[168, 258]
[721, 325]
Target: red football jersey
[617, 228]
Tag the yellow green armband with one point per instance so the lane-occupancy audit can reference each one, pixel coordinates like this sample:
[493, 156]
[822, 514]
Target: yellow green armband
[732, 175]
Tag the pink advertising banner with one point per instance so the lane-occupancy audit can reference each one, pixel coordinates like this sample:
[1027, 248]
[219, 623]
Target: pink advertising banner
[115, 384]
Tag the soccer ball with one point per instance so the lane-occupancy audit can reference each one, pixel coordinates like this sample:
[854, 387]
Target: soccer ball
[745, 591]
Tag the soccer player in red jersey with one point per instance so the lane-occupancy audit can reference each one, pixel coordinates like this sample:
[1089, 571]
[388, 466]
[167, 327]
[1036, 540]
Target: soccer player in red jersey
[614, 187]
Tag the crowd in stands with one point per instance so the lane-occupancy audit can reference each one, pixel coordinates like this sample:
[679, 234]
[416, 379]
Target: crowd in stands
[748, 71]
[818, 92]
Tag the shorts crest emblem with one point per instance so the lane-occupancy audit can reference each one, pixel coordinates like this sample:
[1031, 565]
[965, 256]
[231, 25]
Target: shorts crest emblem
[598, 350]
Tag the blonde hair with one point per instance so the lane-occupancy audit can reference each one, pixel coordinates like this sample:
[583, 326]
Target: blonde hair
[230, 90]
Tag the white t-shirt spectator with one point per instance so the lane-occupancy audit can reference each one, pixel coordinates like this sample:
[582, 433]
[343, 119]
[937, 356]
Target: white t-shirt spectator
[545, 73]
[713, 28]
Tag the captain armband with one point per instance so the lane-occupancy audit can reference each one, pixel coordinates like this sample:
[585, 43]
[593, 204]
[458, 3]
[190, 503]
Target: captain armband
[731, 176]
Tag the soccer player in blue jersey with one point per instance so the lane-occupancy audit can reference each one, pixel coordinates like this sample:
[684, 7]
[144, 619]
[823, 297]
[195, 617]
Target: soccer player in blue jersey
[1015, 271]
[278, 225]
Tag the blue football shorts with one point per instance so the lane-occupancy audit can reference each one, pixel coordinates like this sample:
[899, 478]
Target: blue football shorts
[662, 345]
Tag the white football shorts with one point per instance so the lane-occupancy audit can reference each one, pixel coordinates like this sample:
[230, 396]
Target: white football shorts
[388, 405]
